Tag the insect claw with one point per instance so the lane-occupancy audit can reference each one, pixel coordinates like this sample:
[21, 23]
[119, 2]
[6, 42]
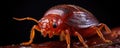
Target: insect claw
[43, 32]
[50, 34]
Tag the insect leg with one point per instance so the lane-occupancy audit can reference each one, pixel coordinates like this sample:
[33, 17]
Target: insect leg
[32, 34]
[62, 36]
[27, 18]
[81, 39]
[105, 26]
[100, 34]
[67, 37]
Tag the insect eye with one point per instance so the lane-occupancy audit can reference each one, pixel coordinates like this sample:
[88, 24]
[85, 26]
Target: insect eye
[54, 25]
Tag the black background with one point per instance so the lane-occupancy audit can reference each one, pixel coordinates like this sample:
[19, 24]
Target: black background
[15, 32]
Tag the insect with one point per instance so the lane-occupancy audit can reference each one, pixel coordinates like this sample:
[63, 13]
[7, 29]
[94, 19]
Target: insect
[65, 21]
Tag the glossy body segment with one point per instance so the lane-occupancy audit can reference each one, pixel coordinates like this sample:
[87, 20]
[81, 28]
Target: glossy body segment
[74, 15]
[66, 21]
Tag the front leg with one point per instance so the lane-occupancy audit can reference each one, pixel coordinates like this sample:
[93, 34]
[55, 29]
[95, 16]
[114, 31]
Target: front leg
[32, 34]
[67, 37]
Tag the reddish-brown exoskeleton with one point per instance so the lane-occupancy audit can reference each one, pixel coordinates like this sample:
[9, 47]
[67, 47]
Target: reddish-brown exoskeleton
[66, 21]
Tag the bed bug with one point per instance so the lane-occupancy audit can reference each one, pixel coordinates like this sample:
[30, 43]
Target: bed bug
[65, 21]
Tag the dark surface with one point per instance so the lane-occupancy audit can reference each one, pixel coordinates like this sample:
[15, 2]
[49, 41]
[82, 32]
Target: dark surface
[58, 44]
[15, 32]
[93, 42]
